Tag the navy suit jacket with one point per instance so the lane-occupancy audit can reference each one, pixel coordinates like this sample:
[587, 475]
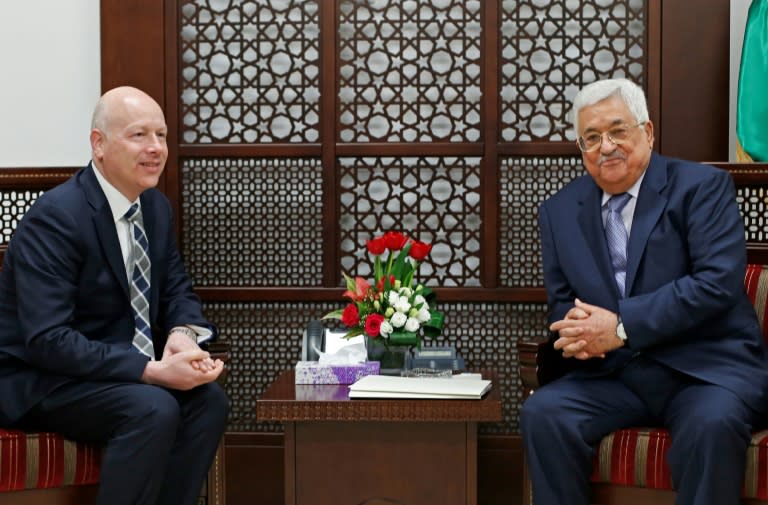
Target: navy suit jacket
[64, 296]
[686, 305]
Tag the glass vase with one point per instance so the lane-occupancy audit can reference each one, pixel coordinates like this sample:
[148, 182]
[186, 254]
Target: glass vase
[393, 358]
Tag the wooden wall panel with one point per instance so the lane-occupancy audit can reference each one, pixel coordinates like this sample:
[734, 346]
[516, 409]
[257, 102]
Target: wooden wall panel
[133, 51]
[694, 80]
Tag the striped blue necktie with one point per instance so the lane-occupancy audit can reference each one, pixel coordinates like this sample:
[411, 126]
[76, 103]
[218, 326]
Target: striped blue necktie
[616, 236]
[142, 338]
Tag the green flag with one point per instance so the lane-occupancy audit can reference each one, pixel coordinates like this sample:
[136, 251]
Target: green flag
[752, 99]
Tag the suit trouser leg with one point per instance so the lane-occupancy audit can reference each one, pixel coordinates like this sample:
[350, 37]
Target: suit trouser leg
[710, 429]
[204, 414]
[561, 424]
[139, 425]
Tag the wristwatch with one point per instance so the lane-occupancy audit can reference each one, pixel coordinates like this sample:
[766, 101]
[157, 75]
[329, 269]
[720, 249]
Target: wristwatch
[186, 331]
[620, 332]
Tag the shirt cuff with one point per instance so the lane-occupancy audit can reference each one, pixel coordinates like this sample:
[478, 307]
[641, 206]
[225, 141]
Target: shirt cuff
[202, 334]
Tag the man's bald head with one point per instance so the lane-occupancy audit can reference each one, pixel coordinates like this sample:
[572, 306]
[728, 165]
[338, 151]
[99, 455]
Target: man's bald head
[115, 98]
[128, 140]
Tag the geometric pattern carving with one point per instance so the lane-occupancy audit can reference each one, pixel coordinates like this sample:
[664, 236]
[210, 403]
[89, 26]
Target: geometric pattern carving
[249, 71]
[433, 199]
[249, 221]
[13, 205]
[524, 183]
[265, 339]
[410, 71]
[753, 202]
[486, 335]
[551, 48]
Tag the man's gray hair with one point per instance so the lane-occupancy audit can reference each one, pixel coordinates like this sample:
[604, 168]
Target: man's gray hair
[628, 91]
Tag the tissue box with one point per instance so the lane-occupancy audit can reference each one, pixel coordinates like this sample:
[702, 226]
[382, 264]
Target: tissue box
[312, 372]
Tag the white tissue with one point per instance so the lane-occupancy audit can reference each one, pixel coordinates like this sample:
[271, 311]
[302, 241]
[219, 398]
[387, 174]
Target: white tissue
[347, 355]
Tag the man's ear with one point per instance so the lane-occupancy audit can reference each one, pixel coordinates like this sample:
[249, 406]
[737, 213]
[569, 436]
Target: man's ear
[649, 132]
[97, 143]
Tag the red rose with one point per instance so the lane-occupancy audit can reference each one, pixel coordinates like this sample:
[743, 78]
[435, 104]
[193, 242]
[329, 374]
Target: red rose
[419, 250]
[376, 246]
[373, 324]
[350, 317]
[394, 240]
[380, 284]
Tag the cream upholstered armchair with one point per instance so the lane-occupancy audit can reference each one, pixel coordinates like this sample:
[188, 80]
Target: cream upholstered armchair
[630, 465]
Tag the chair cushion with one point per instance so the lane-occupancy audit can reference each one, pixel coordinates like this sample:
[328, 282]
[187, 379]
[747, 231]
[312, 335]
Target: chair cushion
[756, 284]
[638, 457]
[44, 460]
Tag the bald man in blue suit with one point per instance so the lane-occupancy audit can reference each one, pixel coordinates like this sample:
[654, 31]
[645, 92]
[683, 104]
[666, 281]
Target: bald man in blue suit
[68, 362]
[658, 331]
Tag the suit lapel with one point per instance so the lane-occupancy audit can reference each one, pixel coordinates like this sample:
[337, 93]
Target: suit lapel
[649, 207]
[591, 222]
[105, 226]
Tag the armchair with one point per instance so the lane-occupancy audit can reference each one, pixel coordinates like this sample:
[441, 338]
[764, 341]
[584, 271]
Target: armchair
[630, 466]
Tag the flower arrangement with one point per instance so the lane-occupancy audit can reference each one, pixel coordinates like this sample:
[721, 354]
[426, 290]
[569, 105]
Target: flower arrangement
[395, 308]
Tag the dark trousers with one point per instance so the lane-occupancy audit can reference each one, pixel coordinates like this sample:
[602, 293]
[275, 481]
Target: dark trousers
[564, 421]
[158, 443]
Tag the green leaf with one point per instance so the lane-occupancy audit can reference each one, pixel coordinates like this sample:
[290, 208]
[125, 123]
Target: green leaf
[400, 261]
[434, 326]
[403, 338]
[351, 286]
[336, 314]
[354, 332]
[378, 271]
[437, 319]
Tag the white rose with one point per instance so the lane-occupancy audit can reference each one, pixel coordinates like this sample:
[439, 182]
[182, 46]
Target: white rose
[393, 297]
[385, 329]
[402, 305]
[412, 324]
[419, 300]
[406, 292]
[423, 316]
[398, 319]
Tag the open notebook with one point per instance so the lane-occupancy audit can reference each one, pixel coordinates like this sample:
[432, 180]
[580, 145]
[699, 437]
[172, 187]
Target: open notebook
[383, 386]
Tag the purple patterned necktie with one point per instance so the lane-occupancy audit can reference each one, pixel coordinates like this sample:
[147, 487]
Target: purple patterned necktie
[616, 236]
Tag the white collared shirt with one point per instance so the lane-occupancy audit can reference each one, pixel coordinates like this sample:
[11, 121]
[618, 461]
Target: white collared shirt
[119, 205]
[628, 212]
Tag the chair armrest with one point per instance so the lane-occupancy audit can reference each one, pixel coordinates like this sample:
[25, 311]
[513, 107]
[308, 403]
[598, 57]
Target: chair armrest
[219, 350]
[540, 363]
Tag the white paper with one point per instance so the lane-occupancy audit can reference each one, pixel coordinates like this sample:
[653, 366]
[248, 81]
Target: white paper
[382, 386]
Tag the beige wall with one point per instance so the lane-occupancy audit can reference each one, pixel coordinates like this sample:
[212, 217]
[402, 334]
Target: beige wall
[49, 63]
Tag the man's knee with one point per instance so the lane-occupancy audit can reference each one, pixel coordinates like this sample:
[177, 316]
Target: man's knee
[539, 412]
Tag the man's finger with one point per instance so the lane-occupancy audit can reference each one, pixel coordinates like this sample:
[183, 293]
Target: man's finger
[584, 306]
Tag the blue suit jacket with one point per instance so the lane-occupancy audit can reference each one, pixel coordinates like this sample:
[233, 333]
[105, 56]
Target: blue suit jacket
[64, 297]
[686, 305]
